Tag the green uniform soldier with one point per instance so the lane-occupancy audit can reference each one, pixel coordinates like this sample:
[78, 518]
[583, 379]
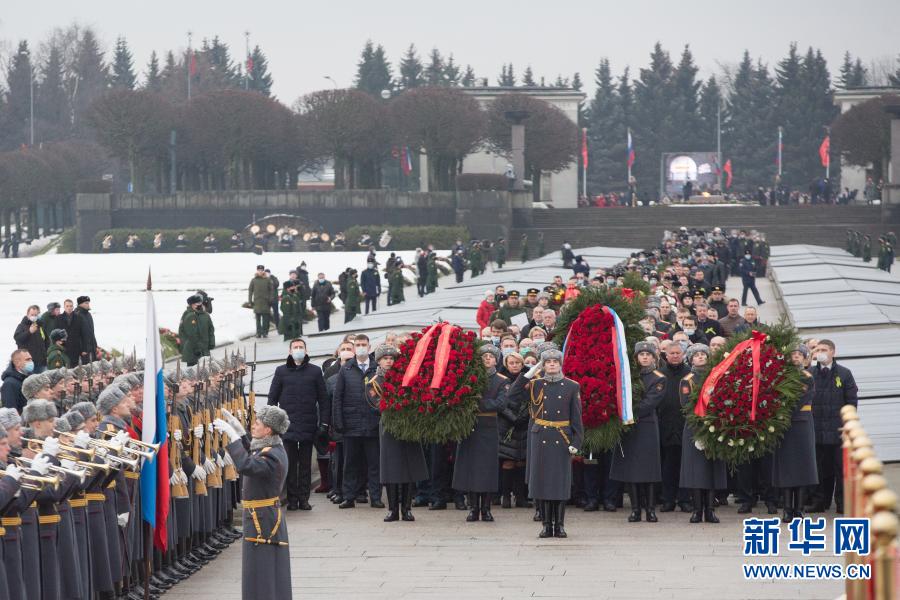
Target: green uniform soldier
[431, 279]
[867, 249]
[540, 244]
[849, 241]
[56, 354]
[501, 252]
[291, 323]
[511, 308]
[351, 305]
[476, 259]
[196, 331]
[524, 248]
[260, 300]
[395, 283]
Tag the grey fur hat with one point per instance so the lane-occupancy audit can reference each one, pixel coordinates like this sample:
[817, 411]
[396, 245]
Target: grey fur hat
[694, 349]
[9, 418]
[216, 366]
[85, 409]
[171, 377]
[802, 349]
[75, 419]
[129, 381]
[109, 398]
[646, 347]
[62, 424]
[551, 354]
[490, 349]
[385, 350]
[33, 384]
[38, 410]
[54, 376]
[274, 417]
[541, 348]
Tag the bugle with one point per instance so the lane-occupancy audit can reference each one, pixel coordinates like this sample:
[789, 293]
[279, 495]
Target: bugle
[79, 473]
[85, 451]
[151, 451]
[35, 482]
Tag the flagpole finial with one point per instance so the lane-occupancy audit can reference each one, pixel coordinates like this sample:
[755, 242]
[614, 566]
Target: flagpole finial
[149, 280]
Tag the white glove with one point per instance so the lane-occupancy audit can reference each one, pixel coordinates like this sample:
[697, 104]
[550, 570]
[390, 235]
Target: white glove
[14, 471]
[175, 479]
[198, 432]
[209, 466]
[41, 464]
[123, 519]
[101, 452]
[82, 439]
[177, 435]
[51, 446]
[227, 429]
[240, 413]
[122, 438]
[230, 418]
[699, 445]
[573, 450]
[227, 459]
[68, 464]
[534, 370]
[182, 476]
[199, 474]
[210, 427]
[220, 461]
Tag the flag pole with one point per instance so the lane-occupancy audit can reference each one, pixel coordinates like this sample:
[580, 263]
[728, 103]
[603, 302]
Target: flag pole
[780, 137]
[828, 153]
[148, 532]
[584, 163]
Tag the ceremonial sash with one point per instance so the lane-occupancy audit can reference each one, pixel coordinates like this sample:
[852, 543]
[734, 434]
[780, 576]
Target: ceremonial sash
[755, 344]
[415, 363]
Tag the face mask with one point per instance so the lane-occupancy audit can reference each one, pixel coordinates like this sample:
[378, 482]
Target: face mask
[610, 282]
[321, 281]
[346, 354]
[747, 256]
[690, 331]
[821, 357]
[539, 340]
[684, 346]
[298, 355]
[32, 318]
[361, 351]
[507, 351]
[28, 367]
[495, 340]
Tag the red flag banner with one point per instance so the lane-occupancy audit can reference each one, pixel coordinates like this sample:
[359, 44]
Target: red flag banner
[584, 147]
[728, 173]
[824, 150]
[193, 64]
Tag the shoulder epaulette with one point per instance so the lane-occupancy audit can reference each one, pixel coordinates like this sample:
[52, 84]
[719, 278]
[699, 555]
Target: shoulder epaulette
[266, 449]
[501, 375]
[658, 373]
[689, 376]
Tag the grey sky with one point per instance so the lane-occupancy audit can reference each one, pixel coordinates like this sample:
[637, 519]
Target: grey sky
[307, 40]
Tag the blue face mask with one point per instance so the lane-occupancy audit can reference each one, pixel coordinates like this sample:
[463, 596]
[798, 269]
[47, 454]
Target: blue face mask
[321, 281]
[495, 340]
[507, 351]
[29, 367]
[298, 354]
[684, 346]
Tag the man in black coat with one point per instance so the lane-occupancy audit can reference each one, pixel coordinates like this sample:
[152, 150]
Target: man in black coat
[86, 341]
[708, 327]
[68, 320]
[29, 336]
[747, 269]
[298, 387]
[671, 424]
[835, 387]
[12, 378]
[357, 420]
[321, 297]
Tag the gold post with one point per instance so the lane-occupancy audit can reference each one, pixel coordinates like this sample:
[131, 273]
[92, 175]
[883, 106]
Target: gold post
[884, 529]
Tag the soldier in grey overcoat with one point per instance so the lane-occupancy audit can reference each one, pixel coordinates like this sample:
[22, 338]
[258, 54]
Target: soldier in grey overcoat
[794, 460]
[401, 463]
[263, 463]
[555, 433]
[9, 488]
[476, 469]
[699, 474]
[636, 459]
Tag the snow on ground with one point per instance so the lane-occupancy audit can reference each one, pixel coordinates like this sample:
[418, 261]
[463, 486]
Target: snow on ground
[116, 282]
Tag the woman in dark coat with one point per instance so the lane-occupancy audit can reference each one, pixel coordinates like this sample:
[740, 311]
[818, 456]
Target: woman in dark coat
[636, 461]
[401, 463]
[794, 460]
[698, 473]
[555, 433]
[512, 420]
[476, 467]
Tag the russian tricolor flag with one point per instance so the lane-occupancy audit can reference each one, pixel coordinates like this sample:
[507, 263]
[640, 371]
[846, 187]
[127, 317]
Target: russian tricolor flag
[154, 472]
[406, 161]
[630, 150]
[623, 369]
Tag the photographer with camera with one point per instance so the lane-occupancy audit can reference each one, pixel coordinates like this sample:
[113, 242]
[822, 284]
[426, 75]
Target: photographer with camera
[196, 331]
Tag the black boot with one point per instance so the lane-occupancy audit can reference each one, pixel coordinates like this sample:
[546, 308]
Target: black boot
[559, 529]
[393, 503]
[518, 477]
[651, 503]
[697, 499]
[486, 508]
[538, 511]
[547, 510]
[798, 497]
[635, 494]
[506, 487]
[473, 507]
[788, 515]
[406, 494]
[709, 511]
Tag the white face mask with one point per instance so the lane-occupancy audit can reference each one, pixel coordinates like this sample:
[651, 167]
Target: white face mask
[361, 351]
[346, 354]
[32, 318]
[298, 354]
[822, 357]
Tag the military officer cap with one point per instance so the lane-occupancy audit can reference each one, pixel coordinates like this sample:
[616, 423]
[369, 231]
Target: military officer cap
[274, 417]
[9, 418]
[385, 350]
[58, 335]
[645, 347]
[75, 420]
[195, 299]
[512, 294]
[500, 297]
[694, 349]
[82, 299]
[533, 291]
[260, 267]
[551, 354]
[33, 384]
[699, 293]
[38, 410]
[716, 288]
[490, 349]
[85, 409]
[62, 425]
[109, 398]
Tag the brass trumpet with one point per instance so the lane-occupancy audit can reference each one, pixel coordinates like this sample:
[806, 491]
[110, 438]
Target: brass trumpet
[87, 452]
[37, 482]
[151, 451]
[88, 466]
[59, 470]
[131, 463]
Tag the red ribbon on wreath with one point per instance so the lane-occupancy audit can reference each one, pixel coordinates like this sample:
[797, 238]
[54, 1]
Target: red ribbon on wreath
[441, 354]
[755, 344]
[415, 363]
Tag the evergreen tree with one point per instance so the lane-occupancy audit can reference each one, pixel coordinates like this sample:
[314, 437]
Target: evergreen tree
[749, 134]
[820, 112]
[528, 77]
[577, 84]
[790, 108]
[626, 97]
[860, 75]
[92, 77]
[52, 103]
[18, 96]
[686, 118]
[215, 68]
[258, 77]
[606, 135]
[560, 82]
[846, 72]
[411, 69]
[653, 128]
[468, 79]
[373, 71]
[507, 76]
[451, 72]
[153, 78]
[434, 72]
[123, 76]
[710, 99]
[894, 79]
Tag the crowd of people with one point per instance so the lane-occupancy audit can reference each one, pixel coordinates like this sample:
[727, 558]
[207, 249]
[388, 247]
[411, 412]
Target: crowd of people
[860, 246]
